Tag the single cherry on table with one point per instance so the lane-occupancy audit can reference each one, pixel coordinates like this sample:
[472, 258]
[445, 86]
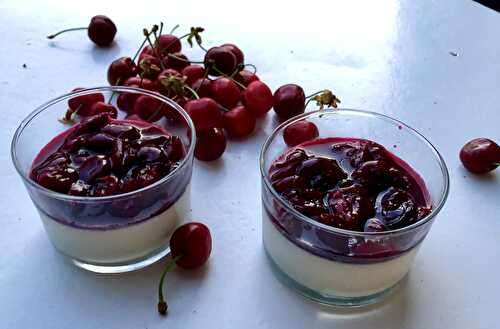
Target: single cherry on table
[480, 155]
[190, 246]
[101, 31]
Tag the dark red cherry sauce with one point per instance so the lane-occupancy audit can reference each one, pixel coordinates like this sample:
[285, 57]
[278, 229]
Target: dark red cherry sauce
[352, 184]
[103, 156]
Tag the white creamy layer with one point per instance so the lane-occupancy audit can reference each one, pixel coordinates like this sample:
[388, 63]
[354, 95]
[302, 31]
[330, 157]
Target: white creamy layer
[329, 277]
[121, 244]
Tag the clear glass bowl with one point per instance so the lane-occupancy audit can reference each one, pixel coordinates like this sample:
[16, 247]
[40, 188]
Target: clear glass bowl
[342, 267]
[110, 234]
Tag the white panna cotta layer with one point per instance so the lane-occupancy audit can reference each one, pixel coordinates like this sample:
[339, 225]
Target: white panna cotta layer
[329, 277]
[121, 244]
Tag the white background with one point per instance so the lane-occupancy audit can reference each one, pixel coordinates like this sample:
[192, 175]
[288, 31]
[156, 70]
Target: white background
[389, 56]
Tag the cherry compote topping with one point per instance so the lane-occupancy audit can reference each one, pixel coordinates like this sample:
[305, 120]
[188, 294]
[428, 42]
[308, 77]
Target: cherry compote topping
[102, 156]
[352, 184]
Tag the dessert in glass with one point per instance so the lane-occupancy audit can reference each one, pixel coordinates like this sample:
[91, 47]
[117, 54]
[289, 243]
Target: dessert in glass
[109, 189]
[345, 212]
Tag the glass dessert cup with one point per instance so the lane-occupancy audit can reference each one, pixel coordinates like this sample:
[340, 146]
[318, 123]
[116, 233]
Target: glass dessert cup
[336, 266]
[115, 233]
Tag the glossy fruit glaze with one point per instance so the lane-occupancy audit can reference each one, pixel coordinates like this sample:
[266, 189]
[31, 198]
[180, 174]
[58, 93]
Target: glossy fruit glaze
[352, 184]
[104, 156]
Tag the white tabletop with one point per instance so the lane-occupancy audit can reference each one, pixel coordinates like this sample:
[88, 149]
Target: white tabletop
[433, 64]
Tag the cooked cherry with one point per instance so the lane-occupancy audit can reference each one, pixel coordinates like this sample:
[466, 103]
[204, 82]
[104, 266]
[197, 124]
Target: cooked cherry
[220, 60]
[358, 152]
[59, 180]
[94, 167]
[150, 154]
[120, 70]
[289, 101]
[148, 174]
[91, 124]
[107, 185]
[396, 207]
[100, 142]
[225, 92]
[205, 113]
[174, 149]
[480, 155]
[193, 73]
[210, 145]
[246, 77]
[239, 122]
[80, 188]
[240, 58]
[300, 132]
[288, 183]
[347, 210]
[122, 131]
[257, 98]
[374, 225]
[322, 173]
[82, 104]
[203, 87]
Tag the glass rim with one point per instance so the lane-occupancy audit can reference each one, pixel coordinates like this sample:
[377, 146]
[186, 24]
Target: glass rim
[347, 111]
[45, 106]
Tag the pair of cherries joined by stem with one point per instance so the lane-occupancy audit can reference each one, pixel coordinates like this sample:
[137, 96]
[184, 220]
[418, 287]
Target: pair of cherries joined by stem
[190, 246]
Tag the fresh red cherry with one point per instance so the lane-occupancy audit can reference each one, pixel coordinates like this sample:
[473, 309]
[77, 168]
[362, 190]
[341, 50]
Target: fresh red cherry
[222, 58]
[210, 145]
[176, 61]
[246, 77]
[162, 81]
[240, 58]
[480, 155]
[203, 87]
[145, 51]
[205, 113]
[149, 67]
[141, 83]
[102, 107]
[239, 122]
[101, 30]
[191, 245]
[258, 98]
[82, 104]
[120, 70]
[193, 73]
[300, 132]
[148, 108]
[225, 92]
[126, 101]
[289, 101]
[168, 43]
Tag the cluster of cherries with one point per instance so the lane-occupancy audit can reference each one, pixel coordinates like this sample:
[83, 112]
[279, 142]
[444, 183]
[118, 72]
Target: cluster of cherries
[221, 96]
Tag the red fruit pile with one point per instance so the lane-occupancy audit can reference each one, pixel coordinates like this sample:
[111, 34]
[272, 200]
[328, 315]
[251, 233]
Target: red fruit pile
[220, 95]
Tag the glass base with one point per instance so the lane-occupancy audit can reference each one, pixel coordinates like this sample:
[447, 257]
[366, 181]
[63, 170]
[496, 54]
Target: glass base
[327, 300]
[132, 265]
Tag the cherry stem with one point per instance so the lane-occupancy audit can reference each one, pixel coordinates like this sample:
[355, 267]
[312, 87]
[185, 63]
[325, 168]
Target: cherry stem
[162, 305]
[252, 66]
[173, 29]
[227, 76]
[184, 60]
[161, 28]
[195, 94]
[316, 93]
[52, 36]
[146, 34]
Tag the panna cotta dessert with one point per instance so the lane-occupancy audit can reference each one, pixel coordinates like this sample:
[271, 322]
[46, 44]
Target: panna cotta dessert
[343, 217]
[110, 191]
[102, 157]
